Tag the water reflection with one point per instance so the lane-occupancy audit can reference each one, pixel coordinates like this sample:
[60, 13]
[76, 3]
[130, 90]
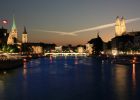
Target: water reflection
[51, 59]
[134, 77]
[71, 78]
[120, 81]
[25, 70]
[4, 83]
[65, 64]
[1, 89]
[76, 60]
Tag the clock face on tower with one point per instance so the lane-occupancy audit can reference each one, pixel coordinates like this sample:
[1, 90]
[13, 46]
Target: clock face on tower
[24, 38]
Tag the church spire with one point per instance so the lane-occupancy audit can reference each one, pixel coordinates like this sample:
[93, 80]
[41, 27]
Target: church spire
[98, 34]
[14, 28]
[14, 24]
[25, 32]
[13, 34]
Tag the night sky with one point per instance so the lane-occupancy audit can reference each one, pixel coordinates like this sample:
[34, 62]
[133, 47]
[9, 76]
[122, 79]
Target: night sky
[42, 16]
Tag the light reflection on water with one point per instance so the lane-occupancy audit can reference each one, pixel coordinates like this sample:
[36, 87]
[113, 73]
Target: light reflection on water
[1, 88]
[120, 81]
[70, 78]
[134, 78]
[25, 70]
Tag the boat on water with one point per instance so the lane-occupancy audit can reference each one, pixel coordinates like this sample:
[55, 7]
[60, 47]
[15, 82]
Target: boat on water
[8, 61]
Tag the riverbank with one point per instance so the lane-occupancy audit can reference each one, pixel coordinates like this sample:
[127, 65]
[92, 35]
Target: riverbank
[8, 61]
[121, 59]
[11, 61]
[10, 64]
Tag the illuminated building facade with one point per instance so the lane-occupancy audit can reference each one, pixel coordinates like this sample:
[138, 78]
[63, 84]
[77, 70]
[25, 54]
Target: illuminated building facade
[80, 49]
[24, 36]
[89, 48]
[120, 26]
[58, 48]
[37, 49]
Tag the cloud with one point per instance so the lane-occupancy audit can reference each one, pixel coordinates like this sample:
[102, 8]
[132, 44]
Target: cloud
[74, 33]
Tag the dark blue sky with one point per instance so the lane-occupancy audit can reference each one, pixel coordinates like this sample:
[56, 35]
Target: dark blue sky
[68, 15]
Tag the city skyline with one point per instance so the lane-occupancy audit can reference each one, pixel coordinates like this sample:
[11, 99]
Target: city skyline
[57, 22]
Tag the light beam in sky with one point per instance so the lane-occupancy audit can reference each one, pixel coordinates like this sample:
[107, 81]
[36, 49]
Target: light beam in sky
[74, 33]
[103, 26]
[94, 28]
[57, 32]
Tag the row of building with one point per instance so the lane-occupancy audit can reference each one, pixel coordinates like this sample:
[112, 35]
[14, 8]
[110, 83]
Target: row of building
[11, 40]
[123, 43]
[12, 37]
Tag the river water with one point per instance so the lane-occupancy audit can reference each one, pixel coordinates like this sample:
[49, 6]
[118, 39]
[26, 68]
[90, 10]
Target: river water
[71, 78]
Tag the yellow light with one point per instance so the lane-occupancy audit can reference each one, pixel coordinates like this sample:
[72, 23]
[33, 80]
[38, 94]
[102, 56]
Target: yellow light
[114, 52]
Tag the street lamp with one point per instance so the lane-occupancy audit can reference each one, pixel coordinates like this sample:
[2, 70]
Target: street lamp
[114, 52]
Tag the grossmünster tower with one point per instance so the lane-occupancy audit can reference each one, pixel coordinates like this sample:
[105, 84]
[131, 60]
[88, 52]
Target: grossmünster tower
[120, 26]
[13, 34]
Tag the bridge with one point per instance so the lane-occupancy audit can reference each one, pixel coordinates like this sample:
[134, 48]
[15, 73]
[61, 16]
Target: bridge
[66, 54]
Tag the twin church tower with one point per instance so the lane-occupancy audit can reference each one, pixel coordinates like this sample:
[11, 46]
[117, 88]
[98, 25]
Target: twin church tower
[13, 38]
[120, 26]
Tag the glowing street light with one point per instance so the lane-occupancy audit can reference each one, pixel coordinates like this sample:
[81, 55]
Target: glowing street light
[3, 22]
[114, 52]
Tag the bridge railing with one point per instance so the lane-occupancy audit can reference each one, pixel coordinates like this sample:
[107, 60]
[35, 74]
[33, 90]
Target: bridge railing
[67, 54]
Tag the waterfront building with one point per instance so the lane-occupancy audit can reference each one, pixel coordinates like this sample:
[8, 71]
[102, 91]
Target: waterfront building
[12, 39]
[58, 48]
[128, 43]
[136, 36]
[123, 43]
[80, 49]
[3, 36]
[107, 48]
[97, 44]
[89, 48]
[32, 48]
[37, 49]
[24, 36]
[137, 42]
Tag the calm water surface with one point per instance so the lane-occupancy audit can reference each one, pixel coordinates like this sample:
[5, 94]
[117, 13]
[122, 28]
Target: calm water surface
[70, 78]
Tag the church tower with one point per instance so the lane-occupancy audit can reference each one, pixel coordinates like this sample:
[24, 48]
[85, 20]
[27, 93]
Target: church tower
[120, 26]
[123, 26]
[117, 27]
[13, 34]
[24, 36]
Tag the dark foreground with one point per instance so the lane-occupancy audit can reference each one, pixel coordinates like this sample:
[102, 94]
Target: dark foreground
[71, 79]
